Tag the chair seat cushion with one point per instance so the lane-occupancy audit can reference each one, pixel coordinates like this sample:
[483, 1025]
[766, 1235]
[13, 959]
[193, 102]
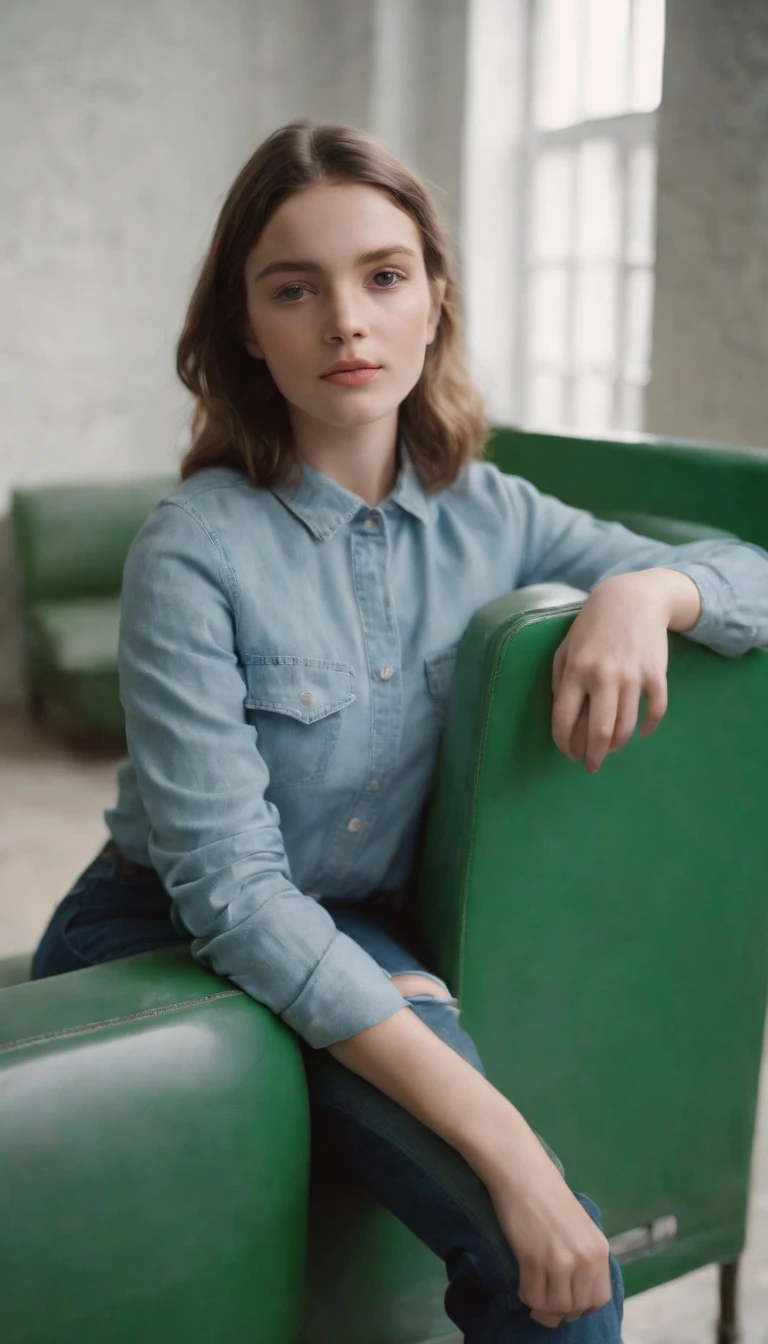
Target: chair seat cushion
[78, 636]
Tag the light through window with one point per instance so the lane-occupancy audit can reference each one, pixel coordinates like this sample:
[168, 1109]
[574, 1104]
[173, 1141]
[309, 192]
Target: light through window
[587, 253]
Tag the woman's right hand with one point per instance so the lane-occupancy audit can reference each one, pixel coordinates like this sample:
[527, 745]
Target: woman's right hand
[561, 1252]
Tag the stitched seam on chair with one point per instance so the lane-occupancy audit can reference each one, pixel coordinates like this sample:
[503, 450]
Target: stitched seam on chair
[89, 1027]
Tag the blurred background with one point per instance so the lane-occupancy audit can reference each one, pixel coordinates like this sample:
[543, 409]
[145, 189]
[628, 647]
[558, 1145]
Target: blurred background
[602, 168]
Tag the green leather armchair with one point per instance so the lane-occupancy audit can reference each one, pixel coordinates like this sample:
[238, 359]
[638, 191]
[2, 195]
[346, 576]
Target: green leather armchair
[70, 544]
[607, 937]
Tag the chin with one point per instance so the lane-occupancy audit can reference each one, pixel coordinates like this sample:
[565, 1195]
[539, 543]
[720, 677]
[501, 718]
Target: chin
[354, 417]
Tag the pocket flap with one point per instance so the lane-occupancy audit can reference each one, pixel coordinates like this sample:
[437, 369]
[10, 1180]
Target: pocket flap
[306, 689]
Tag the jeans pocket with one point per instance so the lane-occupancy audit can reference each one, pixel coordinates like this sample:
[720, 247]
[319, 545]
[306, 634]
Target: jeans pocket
[103, 918]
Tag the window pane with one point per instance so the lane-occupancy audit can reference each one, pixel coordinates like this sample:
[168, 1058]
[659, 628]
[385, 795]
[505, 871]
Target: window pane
[557, 60]
[545, 399]
[592, 402]
[632, 408]
[599, 220]
[548, 289]
[595, 316]
[607, 58]
[638, 318]
[551, 233]
[647, 54]
[641, 206]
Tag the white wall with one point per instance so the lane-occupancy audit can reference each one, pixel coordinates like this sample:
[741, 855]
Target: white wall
[122, 125]
[710, 342]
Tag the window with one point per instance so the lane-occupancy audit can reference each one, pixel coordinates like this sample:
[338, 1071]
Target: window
[587, 182]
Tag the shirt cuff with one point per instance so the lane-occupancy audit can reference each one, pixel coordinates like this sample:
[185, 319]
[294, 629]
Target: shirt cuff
[717, 626]
[347, 992]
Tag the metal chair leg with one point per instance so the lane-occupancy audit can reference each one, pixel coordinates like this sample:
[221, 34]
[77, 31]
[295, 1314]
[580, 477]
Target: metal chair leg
[728, 1324]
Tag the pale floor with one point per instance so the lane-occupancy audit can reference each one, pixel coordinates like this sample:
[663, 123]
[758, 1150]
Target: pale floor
[51, 826]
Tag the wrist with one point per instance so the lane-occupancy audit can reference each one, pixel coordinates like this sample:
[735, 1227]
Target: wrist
[680, 596]
[504, 1151]
[673, 594]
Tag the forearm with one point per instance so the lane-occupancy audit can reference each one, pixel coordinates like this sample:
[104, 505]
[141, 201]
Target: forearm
[403, 1058]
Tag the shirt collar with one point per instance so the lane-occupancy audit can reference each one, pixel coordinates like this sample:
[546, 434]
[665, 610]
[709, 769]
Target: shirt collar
[324, 506]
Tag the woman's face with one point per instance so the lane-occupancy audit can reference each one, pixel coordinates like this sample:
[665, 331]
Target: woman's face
[338, 275]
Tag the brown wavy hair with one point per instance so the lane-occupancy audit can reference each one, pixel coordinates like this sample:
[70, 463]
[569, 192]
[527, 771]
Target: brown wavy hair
[240, 418]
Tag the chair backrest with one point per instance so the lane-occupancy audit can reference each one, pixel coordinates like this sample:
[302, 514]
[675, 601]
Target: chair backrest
[71, 540]
[607, 935]
[714, 487]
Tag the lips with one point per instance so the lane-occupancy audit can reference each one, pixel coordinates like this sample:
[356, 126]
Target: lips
[353, 376]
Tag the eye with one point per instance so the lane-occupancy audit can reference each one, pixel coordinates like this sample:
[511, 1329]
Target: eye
[291, 293]
[392, 279]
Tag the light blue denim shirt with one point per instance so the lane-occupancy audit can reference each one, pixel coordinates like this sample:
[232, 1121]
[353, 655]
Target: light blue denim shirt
[285, 662]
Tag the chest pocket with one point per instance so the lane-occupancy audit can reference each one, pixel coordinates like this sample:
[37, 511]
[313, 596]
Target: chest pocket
[440, 668]
[297, 706]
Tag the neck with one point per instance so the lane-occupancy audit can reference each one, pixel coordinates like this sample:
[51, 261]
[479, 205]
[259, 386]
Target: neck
[362, 459]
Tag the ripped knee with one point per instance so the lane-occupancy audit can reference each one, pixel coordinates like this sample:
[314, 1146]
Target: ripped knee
[413, 983]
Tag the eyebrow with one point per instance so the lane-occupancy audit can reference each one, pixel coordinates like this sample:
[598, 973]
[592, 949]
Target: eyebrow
[365, 259]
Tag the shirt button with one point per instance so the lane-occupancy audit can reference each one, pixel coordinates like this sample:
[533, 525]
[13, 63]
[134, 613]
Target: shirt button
[373, 524]
[375, 784]
[307, 698]
[386, 673]
[356, 824]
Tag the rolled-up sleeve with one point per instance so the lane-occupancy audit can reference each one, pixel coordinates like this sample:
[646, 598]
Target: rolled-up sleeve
[570, 545]
[215, 839]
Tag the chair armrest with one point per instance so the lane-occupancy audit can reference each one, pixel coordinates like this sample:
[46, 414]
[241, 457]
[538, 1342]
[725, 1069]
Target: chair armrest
[550, 606]
[154, 1126]
[536, 597]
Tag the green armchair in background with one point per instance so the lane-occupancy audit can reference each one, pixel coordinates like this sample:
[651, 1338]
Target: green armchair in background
[70, 544]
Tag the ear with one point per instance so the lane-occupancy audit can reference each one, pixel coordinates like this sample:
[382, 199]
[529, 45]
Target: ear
[438, 294]
[250, 342]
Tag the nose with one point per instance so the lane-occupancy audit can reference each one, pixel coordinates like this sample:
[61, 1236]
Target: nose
[346, 322]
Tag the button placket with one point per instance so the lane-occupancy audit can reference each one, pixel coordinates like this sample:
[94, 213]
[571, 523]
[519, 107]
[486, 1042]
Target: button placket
[370, 563]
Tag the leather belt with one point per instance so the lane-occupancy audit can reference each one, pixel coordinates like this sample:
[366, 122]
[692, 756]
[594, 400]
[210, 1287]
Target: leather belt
[125, 867]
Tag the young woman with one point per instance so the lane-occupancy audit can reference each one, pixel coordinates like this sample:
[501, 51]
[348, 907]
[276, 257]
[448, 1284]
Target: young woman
[286, 613]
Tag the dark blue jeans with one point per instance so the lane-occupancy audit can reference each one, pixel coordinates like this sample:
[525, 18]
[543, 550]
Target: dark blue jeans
[408, 1168]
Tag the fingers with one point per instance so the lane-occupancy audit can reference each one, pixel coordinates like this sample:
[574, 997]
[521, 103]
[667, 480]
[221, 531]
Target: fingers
[544, 1318]
[565, 712]
[602, 721]
[569, 1296]
[656, 706]
[588, 723]
[579, 734]
[568, 711]
[626, 715]
[558, 665]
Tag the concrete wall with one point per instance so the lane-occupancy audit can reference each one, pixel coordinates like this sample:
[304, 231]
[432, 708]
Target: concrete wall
[121, 127]
[710, 340]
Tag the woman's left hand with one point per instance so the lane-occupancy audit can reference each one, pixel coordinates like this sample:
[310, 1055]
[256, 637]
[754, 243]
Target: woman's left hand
[615, 650]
